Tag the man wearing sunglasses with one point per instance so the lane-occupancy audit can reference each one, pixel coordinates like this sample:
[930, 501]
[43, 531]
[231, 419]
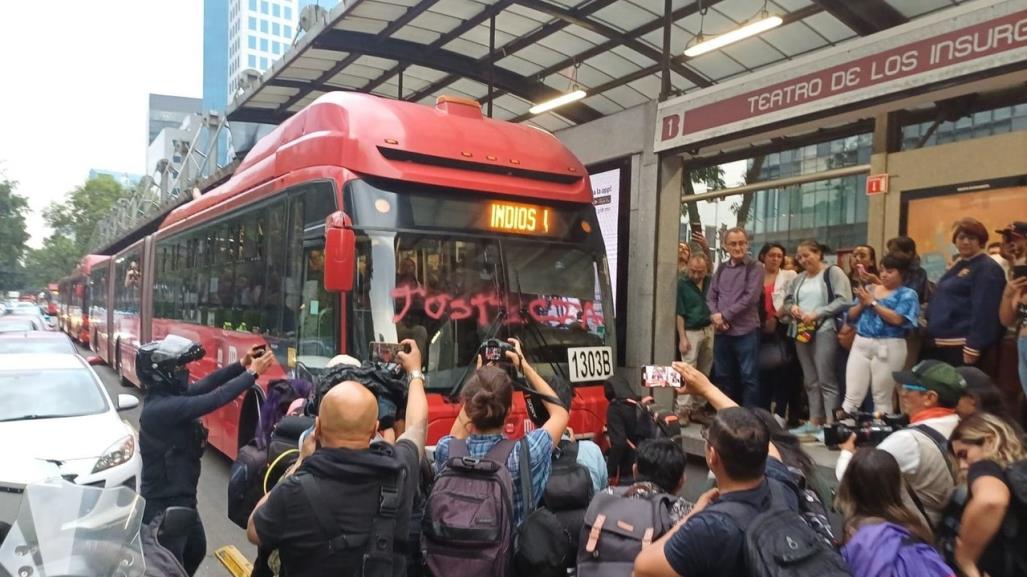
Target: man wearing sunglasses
[929, 394]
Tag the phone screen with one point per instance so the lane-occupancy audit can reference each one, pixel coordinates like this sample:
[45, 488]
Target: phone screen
[660, 376]
[1020, 270]
[386, 352]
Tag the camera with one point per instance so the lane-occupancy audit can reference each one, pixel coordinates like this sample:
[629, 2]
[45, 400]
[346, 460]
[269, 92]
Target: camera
[494, 351]
[870, 429]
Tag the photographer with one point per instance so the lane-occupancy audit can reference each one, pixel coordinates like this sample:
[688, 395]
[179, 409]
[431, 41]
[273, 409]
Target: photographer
[929, 395]
[487, 399]
[171, 437]
[347, 508]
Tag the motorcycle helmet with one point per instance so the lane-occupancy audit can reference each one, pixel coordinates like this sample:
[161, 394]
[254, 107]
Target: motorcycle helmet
[163, 362]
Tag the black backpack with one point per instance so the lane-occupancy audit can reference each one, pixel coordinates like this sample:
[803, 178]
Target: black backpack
[616, 529]
[547, 541]
[779, 542]
[468, 527]
[245, 483]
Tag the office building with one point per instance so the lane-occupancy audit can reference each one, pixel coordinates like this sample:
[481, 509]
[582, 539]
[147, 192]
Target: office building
[168, 112]
[259, 32]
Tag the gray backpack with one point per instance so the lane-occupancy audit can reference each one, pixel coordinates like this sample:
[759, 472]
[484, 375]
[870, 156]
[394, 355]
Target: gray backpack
[616, 529]
[468, 524]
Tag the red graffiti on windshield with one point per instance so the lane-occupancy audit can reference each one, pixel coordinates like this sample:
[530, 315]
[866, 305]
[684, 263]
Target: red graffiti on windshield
[548, 310]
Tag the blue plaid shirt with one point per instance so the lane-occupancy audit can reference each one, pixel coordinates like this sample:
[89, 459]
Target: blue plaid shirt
[540, 451]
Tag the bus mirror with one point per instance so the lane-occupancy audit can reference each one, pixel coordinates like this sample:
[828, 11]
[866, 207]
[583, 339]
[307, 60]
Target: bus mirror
[340, 246]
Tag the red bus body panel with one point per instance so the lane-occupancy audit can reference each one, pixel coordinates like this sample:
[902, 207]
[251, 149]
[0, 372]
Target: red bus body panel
[346, 135]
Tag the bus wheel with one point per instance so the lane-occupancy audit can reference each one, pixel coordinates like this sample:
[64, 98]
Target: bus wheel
[118, 368]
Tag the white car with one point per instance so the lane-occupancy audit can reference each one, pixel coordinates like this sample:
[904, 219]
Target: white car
[55, 409]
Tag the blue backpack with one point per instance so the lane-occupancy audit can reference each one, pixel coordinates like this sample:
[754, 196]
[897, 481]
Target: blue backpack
[889, 550]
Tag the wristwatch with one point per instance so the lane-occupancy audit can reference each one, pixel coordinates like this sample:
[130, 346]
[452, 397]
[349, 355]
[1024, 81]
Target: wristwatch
[415, 375]
[873, 304]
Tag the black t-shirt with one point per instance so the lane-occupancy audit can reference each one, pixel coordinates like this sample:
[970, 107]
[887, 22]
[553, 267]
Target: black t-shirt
[288, 523]
[711, 543]
[992, 561]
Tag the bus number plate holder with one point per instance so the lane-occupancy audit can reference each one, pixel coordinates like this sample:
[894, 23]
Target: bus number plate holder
[590, 363]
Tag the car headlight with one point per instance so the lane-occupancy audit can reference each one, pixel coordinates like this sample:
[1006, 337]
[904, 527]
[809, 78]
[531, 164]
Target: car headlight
[117, 454]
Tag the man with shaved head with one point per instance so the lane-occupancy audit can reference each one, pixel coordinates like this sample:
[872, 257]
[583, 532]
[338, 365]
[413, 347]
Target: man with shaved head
[346, 509]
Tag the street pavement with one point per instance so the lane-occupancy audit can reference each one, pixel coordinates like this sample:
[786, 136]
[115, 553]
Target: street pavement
[212, 489]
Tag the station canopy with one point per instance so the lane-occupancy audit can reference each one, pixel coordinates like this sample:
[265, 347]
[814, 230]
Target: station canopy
[613, 49]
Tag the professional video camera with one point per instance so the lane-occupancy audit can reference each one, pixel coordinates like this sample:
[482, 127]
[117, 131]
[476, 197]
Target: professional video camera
[870, 429]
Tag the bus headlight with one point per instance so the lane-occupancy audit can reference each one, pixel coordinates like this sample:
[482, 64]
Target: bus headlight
[117, 454]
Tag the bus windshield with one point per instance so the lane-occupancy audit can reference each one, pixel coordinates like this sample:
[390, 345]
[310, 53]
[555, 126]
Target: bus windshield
[450, 292]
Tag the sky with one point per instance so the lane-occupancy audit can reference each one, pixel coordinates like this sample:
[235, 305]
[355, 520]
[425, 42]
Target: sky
[75, 82]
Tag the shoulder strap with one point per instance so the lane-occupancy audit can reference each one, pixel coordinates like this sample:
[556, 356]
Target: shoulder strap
[457, 448]
[337, 540]
[500, 452]
[939, 440]
[827, 281]
[380, 557]
[524, 466]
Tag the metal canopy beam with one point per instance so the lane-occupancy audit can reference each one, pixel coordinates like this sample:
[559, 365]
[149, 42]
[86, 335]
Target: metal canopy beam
[865, 17]
[655, 68]
[598, 49]
[456, 64]
[630, 41]
[446, 38]
[515, 45]
[391, 29]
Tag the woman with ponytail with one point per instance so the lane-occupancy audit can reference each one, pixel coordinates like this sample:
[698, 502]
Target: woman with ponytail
[487, 397]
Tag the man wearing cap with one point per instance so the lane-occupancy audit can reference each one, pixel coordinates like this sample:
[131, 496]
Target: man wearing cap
[929, 395]
[1014, 243]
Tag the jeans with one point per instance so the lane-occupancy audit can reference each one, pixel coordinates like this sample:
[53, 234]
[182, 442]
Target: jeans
[1021, 345]
[736, 367]
[818, 358]
[871, 363]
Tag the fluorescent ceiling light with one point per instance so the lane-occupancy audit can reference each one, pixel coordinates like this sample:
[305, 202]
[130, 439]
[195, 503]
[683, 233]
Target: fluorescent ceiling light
[751, 29]
[558, 102]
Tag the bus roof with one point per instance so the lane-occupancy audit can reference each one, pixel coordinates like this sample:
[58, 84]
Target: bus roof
[450, 145]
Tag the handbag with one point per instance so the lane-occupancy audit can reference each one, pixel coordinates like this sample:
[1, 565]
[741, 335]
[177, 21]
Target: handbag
[774, 352]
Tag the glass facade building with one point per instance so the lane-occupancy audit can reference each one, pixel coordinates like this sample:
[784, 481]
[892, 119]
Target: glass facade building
[259, 33]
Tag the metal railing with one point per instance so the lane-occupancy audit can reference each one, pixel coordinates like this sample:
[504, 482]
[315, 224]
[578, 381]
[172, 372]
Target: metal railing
[168, 187]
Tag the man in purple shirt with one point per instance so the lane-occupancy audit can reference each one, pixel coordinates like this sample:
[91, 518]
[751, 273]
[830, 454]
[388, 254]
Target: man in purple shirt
[734, 300]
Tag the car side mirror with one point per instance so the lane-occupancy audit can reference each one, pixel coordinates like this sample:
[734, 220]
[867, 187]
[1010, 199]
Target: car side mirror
[340, 249]
[127, 402]
[177, 522]
[94, 360]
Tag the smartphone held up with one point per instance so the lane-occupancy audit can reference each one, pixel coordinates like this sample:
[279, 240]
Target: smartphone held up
[660, 376]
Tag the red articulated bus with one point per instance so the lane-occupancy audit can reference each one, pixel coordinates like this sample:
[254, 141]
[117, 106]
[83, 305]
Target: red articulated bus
[75, 293]
[362, 219]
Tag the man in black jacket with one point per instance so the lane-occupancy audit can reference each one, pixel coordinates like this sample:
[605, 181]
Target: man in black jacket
[345, 508]
[171, 436]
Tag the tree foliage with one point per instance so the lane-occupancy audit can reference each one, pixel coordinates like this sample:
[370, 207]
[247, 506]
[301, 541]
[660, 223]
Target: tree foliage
[13, 234]
[76, 216]
[54, 260]
[73, 220]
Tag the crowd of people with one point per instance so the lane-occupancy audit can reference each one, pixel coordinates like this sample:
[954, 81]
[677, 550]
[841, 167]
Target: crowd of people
[946, 494]
[755, 326]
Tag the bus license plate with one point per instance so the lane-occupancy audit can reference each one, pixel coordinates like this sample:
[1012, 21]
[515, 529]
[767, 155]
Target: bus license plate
[590, 363]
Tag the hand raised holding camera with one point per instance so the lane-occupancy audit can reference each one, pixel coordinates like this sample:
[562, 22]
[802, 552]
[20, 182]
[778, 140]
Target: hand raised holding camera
[516, 356]
[410, 359]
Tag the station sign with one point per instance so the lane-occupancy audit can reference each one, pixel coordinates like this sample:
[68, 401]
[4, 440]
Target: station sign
[957, 42]
[877, 184]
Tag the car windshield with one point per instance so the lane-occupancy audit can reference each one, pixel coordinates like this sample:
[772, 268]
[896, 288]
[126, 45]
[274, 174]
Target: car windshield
[43, 394]
[451, 292]
[9, 346]
[17, 325]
